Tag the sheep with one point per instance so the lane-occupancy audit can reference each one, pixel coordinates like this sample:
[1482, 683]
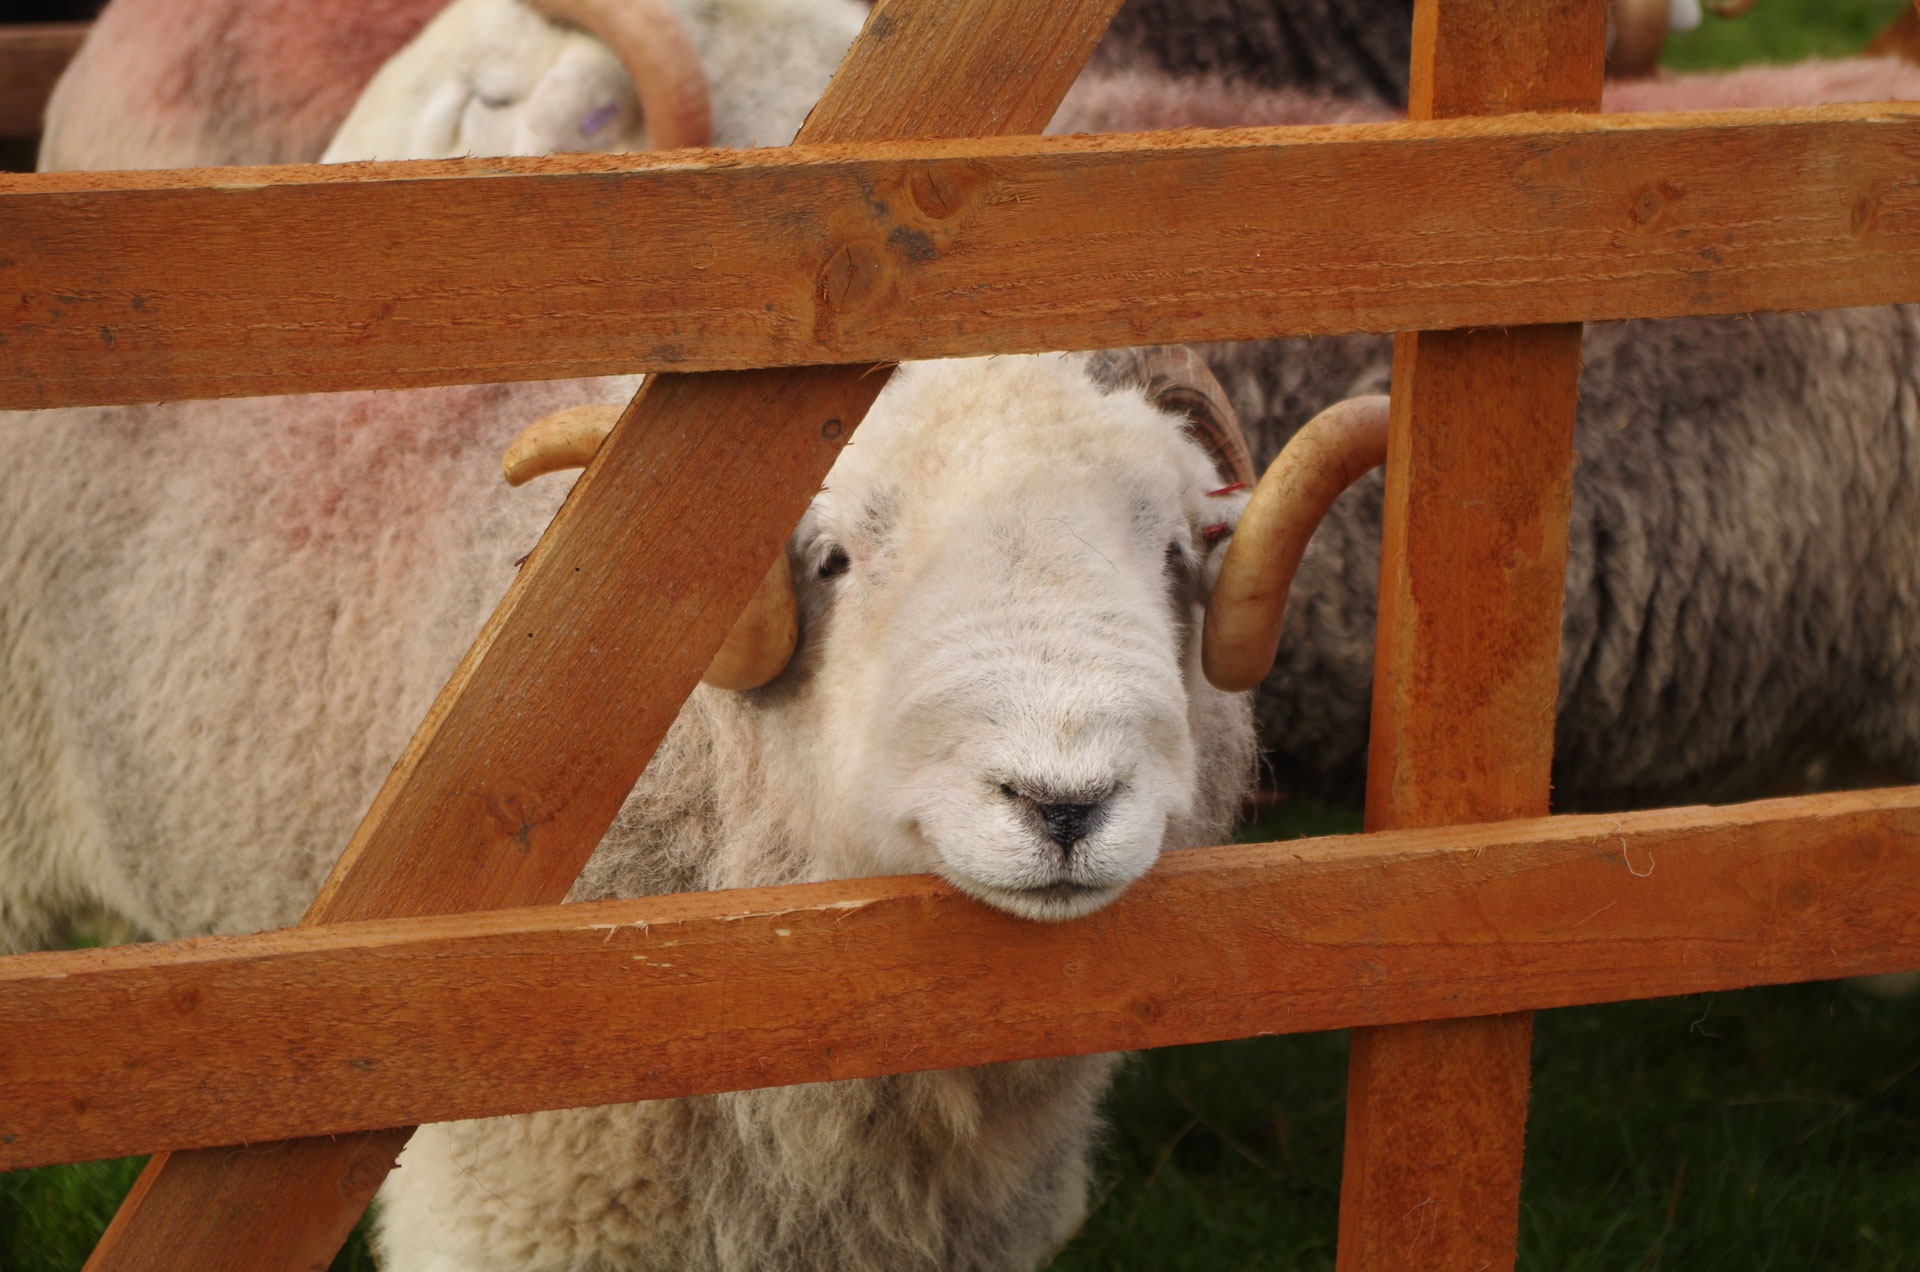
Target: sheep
[179, 83]
[495, 77]
[1349, 50]
[191, 83]
[1744, 528]
[1356, 49]
[216, 647]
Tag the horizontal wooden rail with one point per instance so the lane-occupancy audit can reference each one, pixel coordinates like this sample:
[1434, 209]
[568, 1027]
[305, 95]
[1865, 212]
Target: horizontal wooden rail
[330, 1029]
[31, 59]
[204, 283]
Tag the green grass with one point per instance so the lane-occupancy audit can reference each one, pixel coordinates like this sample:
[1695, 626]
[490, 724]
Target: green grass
[1764, 1129]
[1767, 1129]
[1782, 31]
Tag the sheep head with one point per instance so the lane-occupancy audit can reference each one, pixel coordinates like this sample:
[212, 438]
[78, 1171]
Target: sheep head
[1000, 592]
[498, 77]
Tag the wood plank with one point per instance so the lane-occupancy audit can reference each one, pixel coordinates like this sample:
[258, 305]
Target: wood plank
[1466, 666]
[334, 1028]
[124, 287]
[527, 754]
[31, 59]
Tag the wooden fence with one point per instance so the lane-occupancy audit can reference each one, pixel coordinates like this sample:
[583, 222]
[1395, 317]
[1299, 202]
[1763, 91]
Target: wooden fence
[1464, 907]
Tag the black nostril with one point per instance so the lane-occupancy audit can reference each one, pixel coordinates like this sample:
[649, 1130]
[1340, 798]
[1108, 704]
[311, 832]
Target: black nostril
[1066, 823]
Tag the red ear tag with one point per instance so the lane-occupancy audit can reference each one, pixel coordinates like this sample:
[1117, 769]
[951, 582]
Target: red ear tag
[1227, 490]
[1215, 532]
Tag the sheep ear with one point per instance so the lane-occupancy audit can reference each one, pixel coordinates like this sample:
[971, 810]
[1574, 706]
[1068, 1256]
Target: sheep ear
[1176, 379]
[761, 642]
[1249, 601]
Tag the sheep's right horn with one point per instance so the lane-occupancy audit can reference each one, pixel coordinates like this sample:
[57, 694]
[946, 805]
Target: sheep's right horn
[650, 41]
[1249, 599]
[762, 640]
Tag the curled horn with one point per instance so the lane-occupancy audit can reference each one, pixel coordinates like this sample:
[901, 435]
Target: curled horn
[1176, 379]
[1249, 599]
[762, 640]
[566, 439]
[1639, 33]
[650, 41]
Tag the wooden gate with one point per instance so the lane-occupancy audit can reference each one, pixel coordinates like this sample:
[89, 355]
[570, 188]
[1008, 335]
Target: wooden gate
[1434, 935]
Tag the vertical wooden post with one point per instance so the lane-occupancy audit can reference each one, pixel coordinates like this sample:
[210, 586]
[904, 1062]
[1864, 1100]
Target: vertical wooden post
[1466, 669]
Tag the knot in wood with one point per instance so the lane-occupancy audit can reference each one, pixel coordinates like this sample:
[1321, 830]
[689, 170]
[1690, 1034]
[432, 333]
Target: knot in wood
[1651, 202]
[853, 275]
[942, 191]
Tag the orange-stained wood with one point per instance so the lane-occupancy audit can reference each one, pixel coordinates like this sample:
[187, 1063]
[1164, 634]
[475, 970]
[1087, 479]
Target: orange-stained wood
[1466, 663]
[526, 755]
[31, 59]
[332, 1028]
[1473, 563]
[128, 286]
[283, 1220]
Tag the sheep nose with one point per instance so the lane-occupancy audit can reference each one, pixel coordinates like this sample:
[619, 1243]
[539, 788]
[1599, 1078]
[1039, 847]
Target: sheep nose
[1067, 816]
[1066, 823]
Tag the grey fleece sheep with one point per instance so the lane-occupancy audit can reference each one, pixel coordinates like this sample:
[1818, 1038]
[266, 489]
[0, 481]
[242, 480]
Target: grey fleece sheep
[1743, 589]
[1743, 586]
[1345, 48]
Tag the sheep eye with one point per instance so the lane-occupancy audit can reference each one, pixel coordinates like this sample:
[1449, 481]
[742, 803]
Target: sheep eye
[837, 562]
[1176, 556]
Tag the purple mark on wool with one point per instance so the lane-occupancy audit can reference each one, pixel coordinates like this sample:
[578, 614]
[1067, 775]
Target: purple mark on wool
[599, 119]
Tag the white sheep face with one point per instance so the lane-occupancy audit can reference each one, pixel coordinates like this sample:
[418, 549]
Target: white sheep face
[999, 608]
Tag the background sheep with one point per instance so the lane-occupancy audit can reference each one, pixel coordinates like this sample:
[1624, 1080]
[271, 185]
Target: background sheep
[1357, 49]
[1352, 50]
[181, 83]
[1745, 532]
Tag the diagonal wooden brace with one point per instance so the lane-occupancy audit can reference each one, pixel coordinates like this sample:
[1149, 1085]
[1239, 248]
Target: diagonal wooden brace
[525, 758]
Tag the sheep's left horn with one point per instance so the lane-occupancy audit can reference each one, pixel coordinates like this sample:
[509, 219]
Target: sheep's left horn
[761, 642]
[566, 439]
[1176, 379]
[650, 41]
[1249, 599]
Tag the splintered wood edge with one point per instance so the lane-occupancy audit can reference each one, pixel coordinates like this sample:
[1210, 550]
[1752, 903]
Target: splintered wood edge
[354, 1026]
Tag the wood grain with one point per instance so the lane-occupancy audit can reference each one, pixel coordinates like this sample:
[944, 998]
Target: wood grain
[334, 1028]
[131, 286]
[527, 754]
[1466, 666]
[31, 59]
